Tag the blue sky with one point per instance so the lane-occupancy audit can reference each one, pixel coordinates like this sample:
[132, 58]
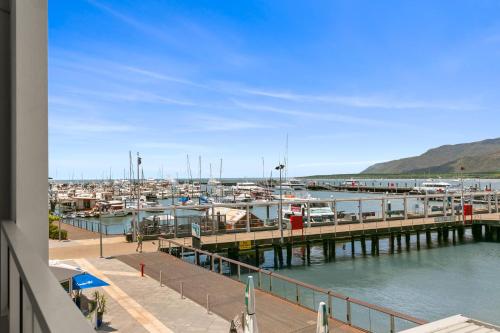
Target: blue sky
[351, 83]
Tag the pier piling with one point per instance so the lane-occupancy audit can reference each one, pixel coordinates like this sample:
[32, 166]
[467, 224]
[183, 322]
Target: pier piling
[391, 243]
[454, 235]
[407, 241]
[418, 240]
[280, 255]
[363, 245]
[332, 249]
[289, 254]
[428, 238]
[308, 252]
[353, 249]
[398, 238]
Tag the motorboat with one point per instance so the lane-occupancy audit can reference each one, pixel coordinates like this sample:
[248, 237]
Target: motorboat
[294, 184]
[431, 187]
[318, 211]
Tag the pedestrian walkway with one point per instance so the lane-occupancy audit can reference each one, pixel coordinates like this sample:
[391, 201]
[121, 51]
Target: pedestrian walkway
[139, 304]
[226, 296]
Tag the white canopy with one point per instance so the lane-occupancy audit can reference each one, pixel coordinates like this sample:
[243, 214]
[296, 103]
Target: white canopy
[63, 271]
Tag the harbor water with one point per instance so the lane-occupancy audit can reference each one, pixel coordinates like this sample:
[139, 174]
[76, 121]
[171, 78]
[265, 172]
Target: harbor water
[430, 284]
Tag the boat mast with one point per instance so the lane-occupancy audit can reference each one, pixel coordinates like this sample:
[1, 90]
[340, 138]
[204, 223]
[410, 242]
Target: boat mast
[199, 176]
[220, 171]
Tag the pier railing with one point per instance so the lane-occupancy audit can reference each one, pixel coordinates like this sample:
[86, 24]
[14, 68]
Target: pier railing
[85, 224]
[354, 312]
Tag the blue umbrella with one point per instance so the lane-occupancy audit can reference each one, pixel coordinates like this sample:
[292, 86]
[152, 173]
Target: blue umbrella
[85, 281]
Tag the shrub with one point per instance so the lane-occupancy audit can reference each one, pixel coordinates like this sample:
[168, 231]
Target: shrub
[54, 229]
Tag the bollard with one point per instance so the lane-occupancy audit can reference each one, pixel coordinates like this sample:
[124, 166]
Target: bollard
[182, 290]
[142, 269]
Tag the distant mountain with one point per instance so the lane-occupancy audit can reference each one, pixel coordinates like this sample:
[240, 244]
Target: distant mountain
[480, 156]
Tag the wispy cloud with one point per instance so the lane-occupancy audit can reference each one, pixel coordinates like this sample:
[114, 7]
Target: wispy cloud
[382, 102]
[204, 123]
[134, 23]
[330, 116]
[133, 96]
[88, 126]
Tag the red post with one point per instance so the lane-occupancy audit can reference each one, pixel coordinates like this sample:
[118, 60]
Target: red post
[142, 269]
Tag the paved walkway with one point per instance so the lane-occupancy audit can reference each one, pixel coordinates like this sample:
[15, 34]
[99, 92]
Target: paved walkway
[227, 295]
[89, 248]
[139, 305]
[75, 233]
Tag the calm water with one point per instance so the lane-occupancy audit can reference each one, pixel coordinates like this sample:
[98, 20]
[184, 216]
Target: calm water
[429, 284]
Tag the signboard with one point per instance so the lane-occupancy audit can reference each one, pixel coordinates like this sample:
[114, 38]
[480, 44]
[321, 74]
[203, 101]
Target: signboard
[297, 222]
[445, 219]
[195, 230]
[245, 245]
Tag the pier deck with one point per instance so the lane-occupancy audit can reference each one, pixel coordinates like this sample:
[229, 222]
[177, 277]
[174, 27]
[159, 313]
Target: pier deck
[226, 296]
[270, 237]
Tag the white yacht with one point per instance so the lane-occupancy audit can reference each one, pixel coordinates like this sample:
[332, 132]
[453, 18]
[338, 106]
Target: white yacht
[294, 184]
[431, 187]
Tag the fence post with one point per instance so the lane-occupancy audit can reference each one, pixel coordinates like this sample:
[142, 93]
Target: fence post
[208, 304]
[182, 290]
[330, 305]
[239, 272]
[348, 311]
[161, 285]
[297, 293]
[393, 329]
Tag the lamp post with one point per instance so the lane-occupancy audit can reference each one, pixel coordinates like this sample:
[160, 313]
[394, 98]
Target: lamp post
[100, 231]
[280, 213]
[462, 190]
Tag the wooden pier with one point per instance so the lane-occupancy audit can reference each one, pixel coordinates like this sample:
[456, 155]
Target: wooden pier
[339, 232]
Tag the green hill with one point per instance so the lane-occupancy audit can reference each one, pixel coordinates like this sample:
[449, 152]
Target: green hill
[480, 156]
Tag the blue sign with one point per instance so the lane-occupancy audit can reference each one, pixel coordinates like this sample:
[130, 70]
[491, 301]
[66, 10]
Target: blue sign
[195, 230]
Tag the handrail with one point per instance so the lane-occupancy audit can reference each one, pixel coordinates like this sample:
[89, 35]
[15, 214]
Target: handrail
[387, 311]
[387, 197]
[52, 308]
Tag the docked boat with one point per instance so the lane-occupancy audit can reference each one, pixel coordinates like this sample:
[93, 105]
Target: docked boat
[318, 211]
[432, 187]
[294, 184]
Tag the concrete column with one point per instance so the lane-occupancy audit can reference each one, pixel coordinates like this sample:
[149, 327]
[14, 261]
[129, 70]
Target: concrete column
[29, 121]
[405, 208]
[335, 212]
[360, 210]
[248, 218]
[383, 210]
[426, 206]
[489, 203]
[308, 215]
[445, 203]
[496, 202]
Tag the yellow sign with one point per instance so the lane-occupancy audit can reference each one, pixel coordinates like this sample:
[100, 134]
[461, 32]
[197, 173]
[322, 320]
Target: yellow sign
[245, 245]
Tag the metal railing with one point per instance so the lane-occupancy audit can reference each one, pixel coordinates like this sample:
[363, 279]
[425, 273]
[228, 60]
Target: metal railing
[354, 312]
[84, 224]
[32, 300]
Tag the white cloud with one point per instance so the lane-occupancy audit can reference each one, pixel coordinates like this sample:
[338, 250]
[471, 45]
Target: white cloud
[383, 102]
[330, 116]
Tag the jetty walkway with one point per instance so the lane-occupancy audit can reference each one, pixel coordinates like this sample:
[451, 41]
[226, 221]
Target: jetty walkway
[226, 296]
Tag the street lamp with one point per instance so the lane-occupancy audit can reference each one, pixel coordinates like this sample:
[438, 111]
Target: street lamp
[462, 185]
[280, 215]
[100, 231]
